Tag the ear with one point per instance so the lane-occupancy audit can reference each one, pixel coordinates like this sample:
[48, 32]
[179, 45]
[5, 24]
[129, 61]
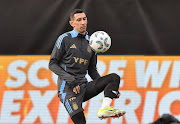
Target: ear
[71, 23]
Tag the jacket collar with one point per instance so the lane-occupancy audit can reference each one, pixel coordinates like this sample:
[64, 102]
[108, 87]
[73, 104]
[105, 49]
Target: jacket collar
[74, 34]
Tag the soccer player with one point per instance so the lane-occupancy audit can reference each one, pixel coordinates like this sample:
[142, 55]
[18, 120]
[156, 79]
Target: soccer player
[71, 59]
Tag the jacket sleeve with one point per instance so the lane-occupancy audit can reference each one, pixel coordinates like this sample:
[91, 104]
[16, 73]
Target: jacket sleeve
[92, 69]
[54, 63]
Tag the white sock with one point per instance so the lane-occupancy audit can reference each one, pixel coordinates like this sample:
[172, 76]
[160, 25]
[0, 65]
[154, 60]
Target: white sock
[106, 102]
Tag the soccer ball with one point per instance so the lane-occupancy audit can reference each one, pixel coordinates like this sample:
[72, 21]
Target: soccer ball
[100, 41]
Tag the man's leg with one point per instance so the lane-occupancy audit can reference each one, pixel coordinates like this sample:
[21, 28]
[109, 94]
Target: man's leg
[106, 83]
[79, 118]
[110, 85]
[73, 104]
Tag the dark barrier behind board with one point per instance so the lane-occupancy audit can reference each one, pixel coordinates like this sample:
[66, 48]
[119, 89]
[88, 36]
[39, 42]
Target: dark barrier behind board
[137, 27]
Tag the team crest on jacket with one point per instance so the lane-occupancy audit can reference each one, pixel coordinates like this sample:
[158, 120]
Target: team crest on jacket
[89, 49]
[75, 106]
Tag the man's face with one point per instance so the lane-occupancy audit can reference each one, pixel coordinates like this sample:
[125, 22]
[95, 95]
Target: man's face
[79, 22]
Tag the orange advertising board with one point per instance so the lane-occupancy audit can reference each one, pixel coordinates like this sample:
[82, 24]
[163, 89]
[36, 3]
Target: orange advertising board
[149, 88]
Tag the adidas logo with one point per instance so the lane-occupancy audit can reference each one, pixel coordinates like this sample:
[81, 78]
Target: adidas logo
[73, 46]
[115, 92]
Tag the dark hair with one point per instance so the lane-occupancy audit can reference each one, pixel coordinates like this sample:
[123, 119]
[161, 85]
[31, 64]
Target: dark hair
[74, 12]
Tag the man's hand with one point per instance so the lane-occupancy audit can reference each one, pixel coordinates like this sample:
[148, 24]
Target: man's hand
[76, 89]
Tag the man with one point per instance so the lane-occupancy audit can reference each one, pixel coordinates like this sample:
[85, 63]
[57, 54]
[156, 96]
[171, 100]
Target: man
[71, 59]
[166, 119]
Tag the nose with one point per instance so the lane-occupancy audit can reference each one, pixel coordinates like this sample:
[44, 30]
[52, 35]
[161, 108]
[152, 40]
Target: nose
[83, 21]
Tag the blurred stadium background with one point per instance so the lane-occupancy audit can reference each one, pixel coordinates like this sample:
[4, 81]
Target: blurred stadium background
[145, 53]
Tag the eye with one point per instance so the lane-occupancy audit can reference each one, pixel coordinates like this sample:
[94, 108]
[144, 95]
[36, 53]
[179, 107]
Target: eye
[85, 18]
[79, 19]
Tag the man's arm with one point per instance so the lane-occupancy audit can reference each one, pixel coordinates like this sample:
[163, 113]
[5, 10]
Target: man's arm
[56, 56]
[92, 70]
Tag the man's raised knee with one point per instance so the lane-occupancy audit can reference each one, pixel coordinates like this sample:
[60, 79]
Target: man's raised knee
[115, 76]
